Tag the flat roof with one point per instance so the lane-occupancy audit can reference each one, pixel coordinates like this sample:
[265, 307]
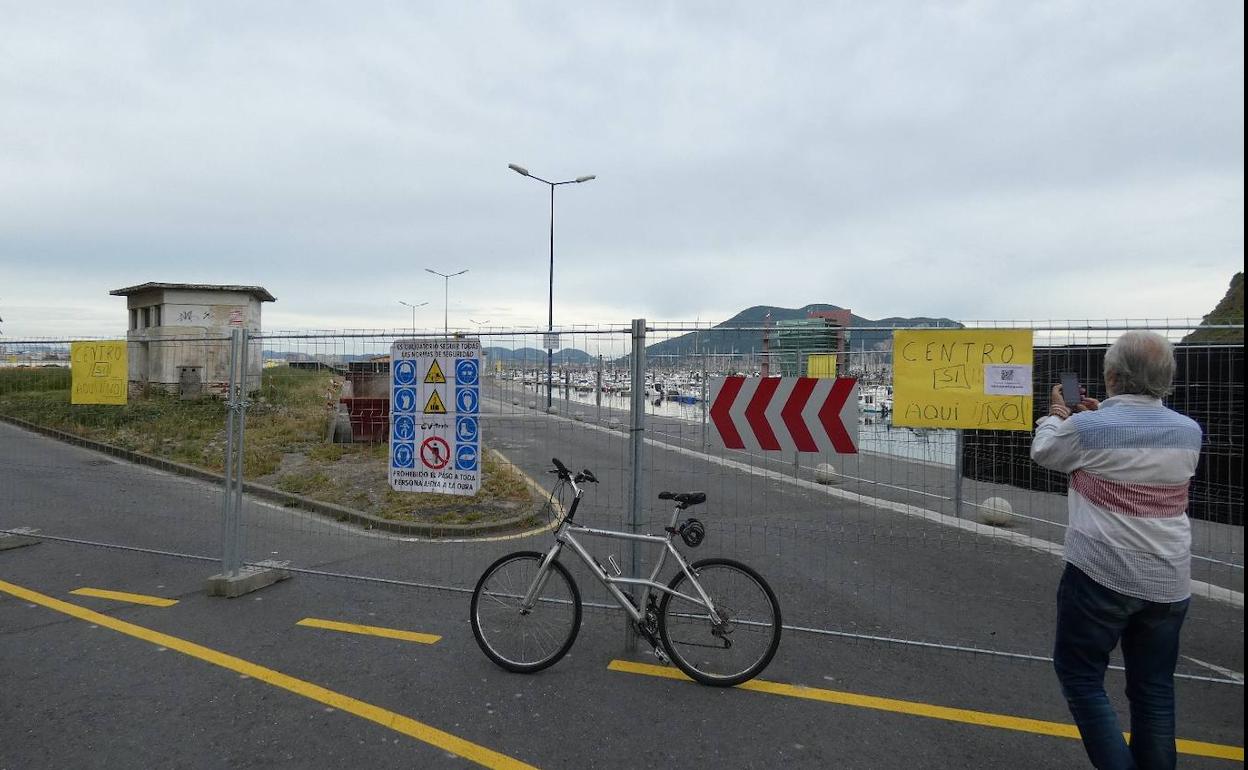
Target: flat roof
[259, 292]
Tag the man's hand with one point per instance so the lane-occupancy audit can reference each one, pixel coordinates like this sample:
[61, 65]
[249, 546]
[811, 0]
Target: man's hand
[1057, 403]
[1087, 404]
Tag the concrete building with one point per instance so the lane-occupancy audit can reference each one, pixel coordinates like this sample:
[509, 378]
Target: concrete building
[178, 338]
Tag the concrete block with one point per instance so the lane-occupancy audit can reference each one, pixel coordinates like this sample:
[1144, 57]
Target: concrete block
[997, 512]
[248, 579]
[11, 539]
[825, 473]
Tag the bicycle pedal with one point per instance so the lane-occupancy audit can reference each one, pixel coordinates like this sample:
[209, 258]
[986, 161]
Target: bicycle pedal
[662, 656]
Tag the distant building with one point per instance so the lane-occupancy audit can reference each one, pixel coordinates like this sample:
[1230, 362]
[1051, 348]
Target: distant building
[178, 338]
[820, 333]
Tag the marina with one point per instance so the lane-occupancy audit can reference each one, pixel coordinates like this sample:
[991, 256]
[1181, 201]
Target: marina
[686, 402]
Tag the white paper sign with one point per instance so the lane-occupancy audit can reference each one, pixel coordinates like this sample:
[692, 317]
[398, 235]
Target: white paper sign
[1006, 380]
[435, 416]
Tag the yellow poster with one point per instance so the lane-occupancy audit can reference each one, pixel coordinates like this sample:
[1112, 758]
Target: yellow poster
[962, 378]
[98, 370]
[822, 365]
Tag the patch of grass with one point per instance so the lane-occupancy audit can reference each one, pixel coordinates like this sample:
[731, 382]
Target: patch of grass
[327, 453]
[306, 483]
[287, 416]
[503, 489]
[33, 380]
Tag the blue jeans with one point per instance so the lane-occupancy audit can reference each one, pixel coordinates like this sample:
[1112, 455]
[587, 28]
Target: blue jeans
[1091, 621]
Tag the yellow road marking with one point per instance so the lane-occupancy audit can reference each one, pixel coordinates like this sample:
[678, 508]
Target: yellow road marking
[397, 722]
[122, 596]
[355, 628]
[915, 708]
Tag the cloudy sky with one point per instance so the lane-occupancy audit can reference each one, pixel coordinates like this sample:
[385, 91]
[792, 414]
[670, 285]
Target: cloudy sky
[974, 160]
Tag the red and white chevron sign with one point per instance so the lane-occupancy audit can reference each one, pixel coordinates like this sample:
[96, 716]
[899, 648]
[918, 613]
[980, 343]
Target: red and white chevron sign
[802, 414]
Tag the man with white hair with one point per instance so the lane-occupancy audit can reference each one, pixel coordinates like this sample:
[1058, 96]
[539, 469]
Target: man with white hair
[1128, 548]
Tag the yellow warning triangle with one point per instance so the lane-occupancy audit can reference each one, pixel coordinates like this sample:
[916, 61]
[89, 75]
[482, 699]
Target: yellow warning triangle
[435, 377]
[434, 405]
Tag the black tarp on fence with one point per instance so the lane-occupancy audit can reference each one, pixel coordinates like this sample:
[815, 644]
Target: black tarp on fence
[1208, 388]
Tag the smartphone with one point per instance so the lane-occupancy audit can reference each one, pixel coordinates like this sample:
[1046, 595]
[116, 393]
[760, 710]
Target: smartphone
[1070, 389]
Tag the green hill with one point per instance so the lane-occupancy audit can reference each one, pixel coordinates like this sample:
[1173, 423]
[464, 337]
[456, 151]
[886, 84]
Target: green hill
[1229, 311]
[742, 333]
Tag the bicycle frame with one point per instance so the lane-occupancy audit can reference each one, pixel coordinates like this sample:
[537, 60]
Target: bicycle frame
[564, 537]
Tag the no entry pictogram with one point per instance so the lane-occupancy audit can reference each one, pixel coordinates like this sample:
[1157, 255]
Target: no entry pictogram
[435, 453]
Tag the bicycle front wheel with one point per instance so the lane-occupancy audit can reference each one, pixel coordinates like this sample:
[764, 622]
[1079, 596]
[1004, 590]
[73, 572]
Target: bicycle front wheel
[521, 640]
[741, 644]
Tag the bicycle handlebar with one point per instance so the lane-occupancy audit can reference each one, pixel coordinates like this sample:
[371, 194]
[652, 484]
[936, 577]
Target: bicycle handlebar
[561, 469]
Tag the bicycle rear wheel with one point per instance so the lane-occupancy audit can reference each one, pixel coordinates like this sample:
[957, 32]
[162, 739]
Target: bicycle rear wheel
[525, 641]
[737, 648]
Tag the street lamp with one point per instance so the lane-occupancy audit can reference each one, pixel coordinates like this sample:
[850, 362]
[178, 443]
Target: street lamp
[550, 307]
[446, 294]
[413, 307]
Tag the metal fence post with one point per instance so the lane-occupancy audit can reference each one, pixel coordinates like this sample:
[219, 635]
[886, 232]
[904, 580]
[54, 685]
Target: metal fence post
[240, 454]
[957, 473]
[703, 395]
[229, 545]
[598, 390]
[637, 427]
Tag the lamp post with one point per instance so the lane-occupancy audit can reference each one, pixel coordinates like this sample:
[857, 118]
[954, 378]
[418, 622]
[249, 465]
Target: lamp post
[550, 306]
[446, 295]
[413, 307]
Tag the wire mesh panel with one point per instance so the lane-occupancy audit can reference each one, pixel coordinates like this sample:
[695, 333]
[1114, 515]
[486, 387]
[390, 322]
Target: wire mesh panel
[138, 474]
[318, 432]
[918, 536]
[912, 537]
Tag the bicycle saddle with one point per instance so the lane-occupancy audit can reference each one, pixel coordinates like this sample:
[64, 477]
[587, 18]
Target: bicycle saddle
[684, 499]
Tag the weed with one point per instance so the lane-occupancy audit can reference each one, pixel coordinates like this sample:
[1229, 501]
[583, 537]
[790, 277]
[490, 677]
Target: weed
[305, 483]
[326, 452]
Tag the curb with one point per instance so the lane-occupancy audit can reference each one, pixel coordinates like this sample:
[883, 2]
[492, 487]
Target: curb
[263, 491]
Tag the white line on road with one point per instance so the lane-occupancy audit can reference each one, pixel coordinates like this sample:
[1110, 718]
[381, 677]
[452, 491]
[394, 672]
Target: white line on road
[1226, 672]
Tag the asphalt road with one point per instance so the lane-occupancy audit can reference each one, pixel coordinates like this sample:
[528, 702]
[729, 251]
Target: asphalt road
[77, 692]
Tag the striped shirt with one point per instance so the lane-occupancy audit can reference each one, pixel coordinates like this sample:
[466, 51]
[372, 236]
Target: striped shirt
[1130, 463]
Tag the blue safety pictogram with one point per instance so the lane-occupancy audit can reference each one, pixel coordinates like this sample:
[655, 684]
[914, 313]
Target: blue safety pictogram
[404, 399]
[404, 428]
[466, 400]
[403, 456]
[466, 430]
[466, 371]
[466, 457]
[404, 372]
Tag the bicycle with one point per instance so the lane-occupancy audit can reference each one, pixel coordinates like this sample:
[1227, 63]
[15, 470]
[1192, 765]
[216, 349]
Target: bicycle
[721, 630]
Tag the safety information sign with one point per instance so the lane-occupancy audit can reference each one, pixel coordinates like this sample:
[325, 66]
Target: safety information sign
[435, 410]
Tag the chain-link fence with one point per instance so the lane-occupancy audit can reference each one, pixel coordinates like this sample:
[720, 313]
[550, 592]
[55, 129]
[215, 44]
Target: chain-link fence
[944, 538]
